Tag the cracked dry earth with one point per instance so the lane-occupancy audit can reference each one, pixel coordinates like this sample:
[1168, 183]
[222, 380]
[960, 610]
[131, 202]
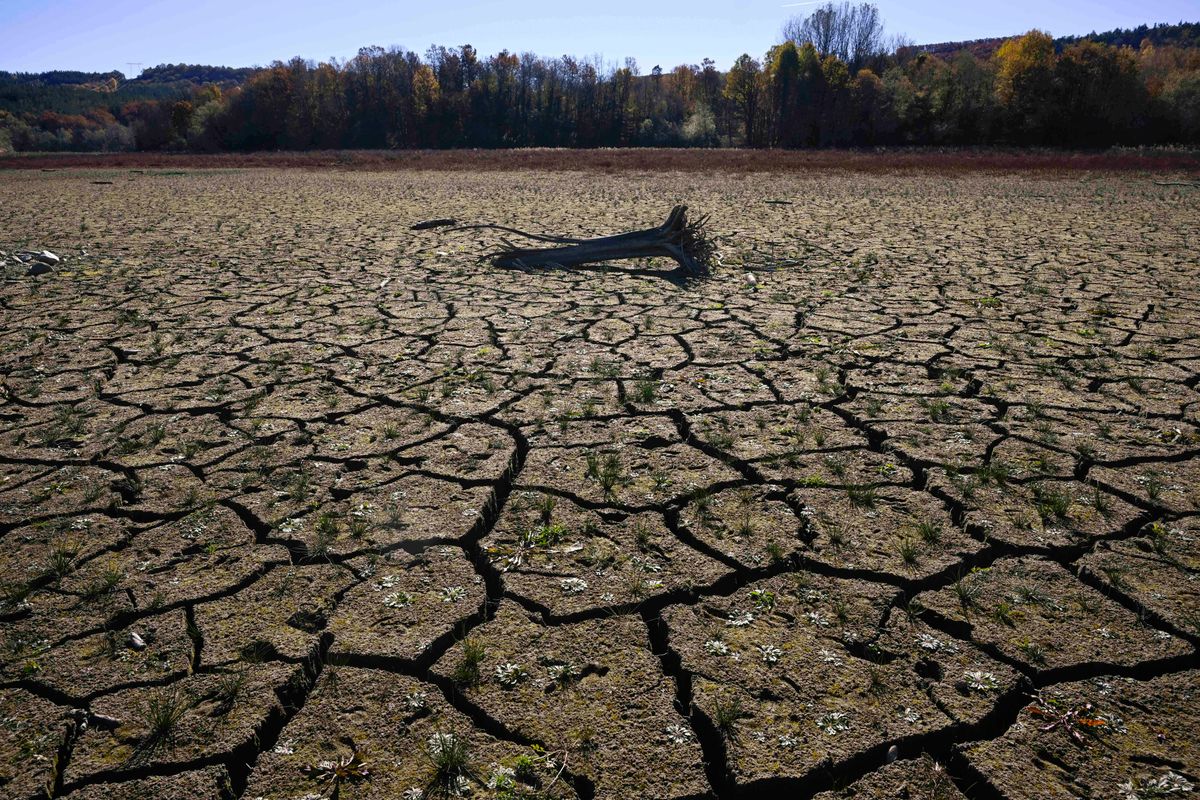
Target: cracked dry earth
[298, 503]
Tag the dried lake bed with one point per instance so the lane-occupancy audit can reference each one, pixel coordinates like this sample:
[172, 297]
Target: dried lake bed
[299, 502]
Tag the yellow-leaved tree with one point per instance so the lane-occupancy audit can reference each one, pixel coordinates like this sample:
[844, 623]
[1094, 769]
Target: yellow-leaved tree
[1024, 72]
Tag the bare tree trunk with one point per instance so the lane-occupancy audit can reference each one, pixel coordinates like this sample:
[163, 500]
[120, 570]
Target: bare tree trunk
[676, 239]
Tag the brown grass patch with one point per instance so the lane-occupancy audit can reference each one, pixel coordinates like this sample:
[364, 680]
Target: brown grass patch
[947, 161]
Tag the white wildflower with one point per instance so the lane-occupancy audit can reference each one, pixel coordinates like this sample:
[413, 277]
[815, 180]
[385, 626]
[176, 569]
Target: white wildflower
[929, 642]
[770, 653]
[1170, 783]
[398, 600]
[439, 743]
[678, 734]
[833, 723]
[573, 585]
[561, 673]
[739, 619]
[715, 647]
[502, 778]
[981, 681]
[509, 675]
[452, 594]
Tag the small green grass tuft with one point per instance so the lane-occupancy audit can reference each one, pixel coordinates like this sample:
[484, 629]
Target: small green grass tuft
[466, 672]
[449, 756]
[162, 715]
[726, 715]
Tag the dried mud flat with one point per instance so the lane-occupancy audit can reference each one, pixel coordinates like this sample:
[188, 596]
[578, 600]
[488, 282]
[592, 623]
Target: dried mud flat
[296, 502]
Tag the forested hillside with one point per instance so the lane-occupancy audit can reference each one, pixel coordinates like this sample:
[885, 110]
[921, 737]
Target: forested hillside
[834, 81]
[1184, 35]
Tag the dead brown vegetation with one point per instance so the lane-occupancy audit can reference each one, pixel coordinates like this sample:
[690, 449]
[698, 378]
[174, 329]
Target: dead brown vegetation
[949, 161]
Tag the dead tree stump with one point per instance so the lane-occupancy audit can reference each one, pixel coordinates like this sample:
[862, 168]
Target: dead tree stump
[685, 242]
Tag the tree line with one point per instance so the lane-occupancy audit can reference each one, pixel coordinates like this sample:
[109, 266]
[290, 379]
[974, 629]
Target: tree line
[835, 81]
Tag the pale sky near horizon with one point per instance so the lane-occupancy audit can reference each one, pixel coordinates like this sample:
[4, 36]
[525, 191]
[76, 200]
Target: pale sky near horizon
[42, 35]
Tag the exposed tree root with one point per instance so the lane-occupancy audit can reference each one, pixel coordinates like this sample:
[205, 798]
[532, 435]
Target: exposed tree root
[687, 243]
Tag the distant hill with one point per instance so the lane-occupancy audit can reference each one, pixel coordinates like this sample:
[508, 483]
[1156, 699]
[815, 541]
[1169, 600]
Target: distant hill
[18, 97]
[194, 73]
[980, 48]
[1183, 34]
[58, 78]
[69, 92]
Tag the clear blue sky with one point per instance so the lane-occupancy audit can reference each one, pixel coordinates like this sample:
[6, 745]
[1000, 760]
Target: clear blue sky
[102, 35]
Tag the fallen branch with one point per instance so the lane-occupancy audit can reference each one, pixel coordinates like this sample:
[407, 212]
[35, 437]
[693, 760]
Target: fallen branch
[685, 242]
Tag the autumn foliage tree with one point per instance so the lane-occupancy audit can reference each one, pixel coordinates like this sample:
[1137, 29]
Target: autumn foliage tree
[743, 90]
[1024, 69]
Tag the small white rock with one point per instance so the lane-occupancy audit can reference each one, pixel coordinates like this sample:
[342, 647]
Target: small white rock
[892, 754]
[751, 281]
